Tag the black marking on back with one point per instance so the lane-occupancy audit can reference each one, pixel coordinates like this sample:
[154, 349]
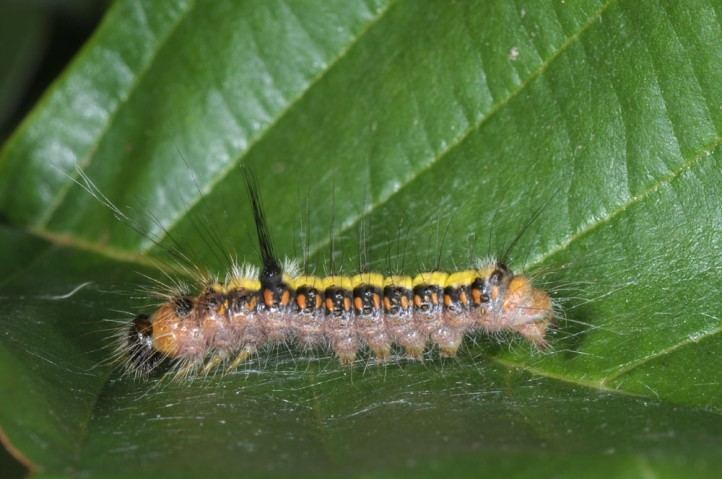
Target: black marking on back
[338, 296]
[426, 293]
[395, 294]
[535, 215]
[366, 293]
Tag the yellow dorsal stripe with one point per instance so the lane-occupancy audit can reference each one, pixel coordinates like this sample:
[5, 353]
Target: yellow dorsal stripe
[462, 278]
[308, 281]
[437, 278]
[251, 284]
[343, 282]
[399, 281]
[374, 279]
[377, 280]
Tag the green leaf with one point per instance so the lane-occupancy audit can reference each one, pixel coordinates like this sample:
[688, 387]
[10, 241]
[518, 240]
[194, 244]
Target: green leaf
[415, 129]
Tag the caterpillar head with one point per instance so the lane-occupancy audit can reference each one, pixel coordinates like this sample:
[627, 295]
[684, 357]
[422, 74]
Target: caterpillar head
[515, 304]
[141, 358]
[529, 310]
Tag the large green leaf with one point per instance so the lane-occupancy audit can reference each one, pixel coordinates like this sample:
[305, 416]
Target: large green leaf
[423, 128]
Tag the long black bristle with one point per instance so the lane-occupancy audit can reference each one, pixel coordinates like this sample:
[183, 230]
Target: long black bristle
[535, 215]
[271, 265]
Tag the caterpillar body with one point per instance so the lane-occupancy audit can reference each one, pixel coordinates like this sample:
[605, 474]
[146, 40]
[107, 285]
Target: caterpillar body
[224, 323]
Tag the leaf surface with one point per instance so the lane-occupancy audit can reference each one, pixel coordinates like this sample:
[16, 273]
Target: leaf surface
[412, 138]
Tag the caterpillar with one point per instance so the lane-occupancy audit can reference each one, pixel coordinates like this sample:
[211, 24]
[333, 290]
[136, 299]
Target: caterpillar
[223, 323]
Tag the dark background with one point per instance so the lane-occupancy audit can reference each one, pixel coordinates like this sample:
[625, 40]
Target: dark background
[38, 38]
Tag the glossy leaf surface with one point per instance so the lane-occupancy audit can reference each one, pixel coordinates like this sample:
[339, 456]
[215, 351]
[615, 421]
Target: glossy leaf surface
[413, 130]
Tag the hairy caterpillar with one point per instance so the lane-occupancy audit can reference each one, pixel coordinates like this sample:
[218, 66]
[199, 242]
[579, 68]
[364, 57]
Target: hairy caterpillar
[222, 323]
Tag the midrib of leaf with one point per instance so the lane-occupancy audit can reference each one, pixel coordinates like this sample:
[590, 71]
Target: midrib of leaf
[93, 148]
[706, 151]
[116, 254]
[632, 365]
[602, 385]
[597, 385]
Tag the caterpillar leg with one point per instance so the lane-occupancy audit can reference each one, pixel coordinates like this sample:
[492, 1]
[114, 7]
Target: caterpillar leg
[187, 368]
[346, 350]
[414, 345]
[414, 354]
[381, 351]
[243, 356]
[379, 343]
[214, 362]
[346, 359]
[535, 332]
[448, 339]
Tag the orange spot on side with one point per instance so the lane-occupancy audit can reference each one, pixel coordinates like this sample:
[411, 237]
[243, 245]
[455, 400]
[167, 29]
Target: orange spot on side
[268, 297]
[301, 301]
[476, 296]
[463, 299]
[417, 300]
[346, 304]
[405, 301]
[447, 300]
[285, 298]
[387, 303]
[358, 304]
[329, 304]
[376, 301]
[318, 301]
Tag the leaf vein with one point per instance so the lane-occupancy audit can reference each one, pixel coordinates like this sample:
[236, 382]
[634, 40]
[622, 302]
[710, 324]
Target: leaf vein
[473, 127]
[279, 116]
[91, 150]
